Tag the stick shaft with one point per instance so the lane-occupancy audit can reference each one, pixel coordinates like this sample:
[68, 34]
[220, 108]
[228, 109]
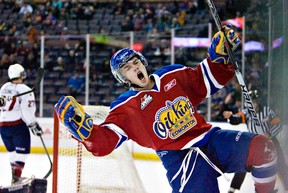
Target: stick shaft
[247, 98]
[39, 77]
[23, 93]
[47, 153]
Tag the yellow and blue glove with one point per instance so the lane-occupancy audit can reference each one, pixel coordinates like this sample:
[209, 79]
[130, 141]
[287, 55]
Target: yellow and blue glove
[73, 116]
[217, 51]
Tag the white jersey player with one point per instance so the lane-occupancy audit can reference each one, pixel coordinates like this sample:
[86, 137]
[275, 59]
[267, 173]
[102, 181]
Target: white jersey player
[16, 117]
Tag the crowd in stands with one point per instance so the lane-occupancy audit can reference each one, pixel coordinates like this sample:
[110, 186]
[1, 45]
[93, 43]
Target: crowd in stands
[23, 22]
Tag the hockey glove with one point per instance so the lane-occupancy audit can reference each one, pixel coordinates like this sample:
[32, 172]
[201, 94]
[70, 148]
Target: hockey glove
[36, 129]
[72, 115]
[217, 50]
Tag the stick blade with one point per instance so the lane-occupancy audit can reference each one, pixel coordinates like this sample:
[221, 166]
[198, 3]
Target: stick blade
[39, 77]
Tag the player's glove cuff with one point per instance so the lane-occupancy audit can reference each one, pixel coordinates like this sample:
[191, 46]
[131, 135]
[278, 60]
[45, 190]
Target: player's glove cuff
[36, 129]
[217, 50]
[73, 116]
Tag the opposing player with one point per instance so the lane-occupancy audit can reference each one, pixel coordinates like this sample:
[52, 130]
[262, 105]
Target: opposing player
[16, 117]
[272, 125]
[159, 112]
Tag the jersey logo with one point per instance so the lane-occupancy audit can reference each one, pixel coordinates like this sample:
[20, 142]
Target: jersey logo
[271, 155]
[238, 136]
[170, 85]
[162, 153]
[175, 119]
[145, 101]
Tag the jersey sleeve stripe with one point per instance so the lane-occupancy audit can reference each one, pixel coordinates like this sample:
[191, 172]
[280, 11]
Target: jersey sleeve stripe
[211, 83]
[121, 134]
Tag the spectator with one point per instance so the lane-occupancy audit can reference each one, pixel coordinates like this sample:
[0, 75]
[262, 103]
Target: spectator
[153, 35]
[60, 65]
[23, 49]
[175, 24]
[9, 46]
[50, 19]
[218, 107]
[255, 74]
[31, 61]
[76, 84]
[37, 17]
[14, 6]
[59, 27]
[12, 59]
[88, 12]
[181, 17]
[192, 7]
[127, 24]
[71, 58]
[3, 28]
[77, 11]
[31, 33]
[57, 4]
[13, 31]
[149, 26]
[64, 34]
[138, 21]
[26, 10]
[63, 14]
[201, 7]
[119, 8]
[149, 13]
[5, 61]
[48, 62]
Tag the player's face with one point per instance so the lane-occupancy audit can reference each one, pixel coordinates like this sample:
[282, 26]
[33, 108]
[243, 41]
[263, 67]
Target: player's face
[136, 73]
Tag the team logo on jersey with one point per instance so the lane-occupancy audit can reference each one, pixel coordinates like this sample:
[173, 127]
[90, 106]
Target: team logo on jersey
[162, 153]
[145, 101]
[238, 136]
[176, 118]
[270, 153]
[170, 85]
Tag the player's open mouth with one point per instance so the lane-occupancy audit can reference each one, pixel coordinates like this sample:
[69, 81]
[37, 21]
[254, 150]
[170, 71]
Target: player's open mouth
[140, 75]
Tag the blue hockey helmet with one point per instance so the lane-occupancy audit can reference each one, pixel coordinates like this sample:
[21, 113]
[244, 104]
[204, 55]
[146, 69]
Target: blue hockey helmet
[120, 58]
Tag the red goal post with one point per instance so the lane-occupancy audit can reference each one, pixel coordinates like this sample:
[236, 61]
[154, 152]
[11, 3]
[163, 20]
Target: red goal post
[77, 170]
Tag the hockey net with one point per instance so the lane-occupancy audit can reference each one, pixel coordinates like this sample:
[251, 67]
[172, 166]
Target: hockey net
[77, 170]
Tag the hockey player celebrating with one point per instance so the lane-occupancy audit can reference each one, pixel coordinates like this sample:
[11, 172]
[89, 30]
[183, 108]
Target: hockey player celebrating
[16, 117]
[159, 112]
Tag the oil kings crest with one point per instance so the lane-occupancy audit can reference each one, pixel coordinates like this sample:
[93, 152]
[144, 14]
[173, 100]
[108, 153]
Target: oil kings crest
[174, 119]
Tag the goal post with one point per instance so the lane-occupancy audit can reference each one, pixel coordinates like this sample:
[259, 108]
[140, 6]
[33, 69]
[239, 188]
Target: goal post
[77, 170]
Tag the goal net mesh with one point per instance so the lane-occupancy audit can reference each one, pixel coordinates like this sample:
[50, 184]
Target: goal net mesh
[77, 170]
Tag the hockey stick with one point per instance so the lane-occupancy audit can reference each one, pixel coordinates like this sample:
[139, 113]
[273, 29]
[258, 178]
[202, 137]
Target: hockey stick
[39, 77]
[47, 153]
[258, 126]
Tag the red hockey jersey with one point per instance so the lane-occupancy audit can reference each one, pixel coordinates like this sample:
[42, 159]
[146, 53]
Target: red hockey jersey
[165, 117]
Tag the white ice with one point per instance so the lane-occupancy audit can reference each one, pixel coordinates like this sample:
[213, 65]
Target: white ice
[151, 173]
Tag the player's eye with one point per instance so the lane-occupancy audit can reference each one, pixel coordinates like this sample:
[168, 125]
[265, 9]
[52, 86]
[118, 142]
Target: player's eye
[126, 67]
[136, 61]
